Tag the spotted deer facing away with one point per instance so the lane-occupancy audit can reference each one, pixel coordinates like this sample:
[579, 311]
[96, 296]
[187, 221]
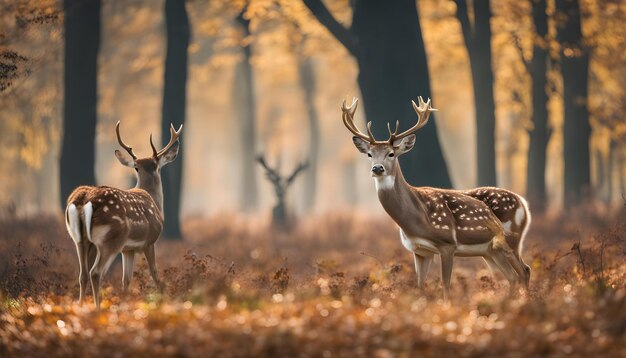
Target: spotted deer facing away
[105, 221]
[485, 222]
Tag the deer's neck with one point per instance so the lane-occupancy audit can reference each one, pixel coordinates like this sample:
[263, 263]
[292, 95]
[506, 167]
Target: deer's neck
[398, 198]
[154, 187]
[389, 185]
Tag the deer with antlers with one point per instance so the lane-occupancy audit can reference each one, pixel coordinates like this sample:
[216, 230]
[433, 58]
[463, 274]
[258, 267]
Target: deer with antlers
[281, 183]
[105, 221]
[486, 222]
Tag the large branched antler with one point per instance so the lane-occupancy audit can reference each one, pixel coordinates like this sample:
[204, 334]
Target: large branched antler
[128, 148]
[423, 112]
[348, 121]
[174, 135]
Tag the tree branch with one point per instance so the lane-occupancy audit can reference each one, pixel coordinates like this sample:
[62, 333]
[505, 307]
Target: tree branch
[271, 174]
[297, 171]
[466, 26]
[323, 15]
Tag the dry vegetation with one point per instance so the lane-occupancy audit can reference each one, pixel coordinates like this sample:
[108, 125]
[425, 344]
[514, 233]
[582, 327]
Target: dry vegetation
[339, 285]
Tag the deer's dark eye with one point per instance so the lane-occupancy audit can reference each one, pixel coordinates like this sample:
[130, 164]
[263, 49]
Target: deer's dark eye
[369, 155]
[391, 155]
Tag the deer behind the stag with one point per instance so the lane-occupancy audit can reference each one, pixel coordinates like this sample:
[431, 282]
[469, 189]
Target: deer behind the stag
[487, 222]
[105, 221]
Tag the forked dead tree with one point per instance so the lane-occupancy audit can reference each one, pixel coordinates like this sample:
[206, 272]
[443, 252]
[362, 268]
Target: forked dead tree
[280, 216]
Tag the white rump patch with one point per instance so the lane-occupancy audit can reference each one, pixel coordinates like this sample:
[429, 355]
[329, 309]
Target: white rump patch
[385, 182]
[519, 215]
[87, 215]
[73, 223]
[507, 227]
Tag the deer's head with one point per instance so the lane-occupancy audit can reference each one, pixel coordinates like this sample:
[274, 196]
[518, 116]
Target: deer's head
[148, 169]
[384, 154]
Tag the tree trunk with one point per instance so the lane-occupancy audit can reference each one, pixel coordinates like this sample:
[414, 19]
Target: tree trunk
[387, 42]
[478, 42]
[279, 215]
[246, 112]
[621, 165]
[539, 135]
[307, 81]
[174, 107]
[82, 43]
[601, 171]
[611, 164]
[576, 127]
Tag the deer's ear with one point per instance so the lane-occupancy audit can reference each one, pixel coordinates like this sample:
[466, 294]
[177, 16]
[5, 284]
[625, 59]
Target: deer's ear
[170, 155]
[124, 159]
[404, 145]
[361, 144]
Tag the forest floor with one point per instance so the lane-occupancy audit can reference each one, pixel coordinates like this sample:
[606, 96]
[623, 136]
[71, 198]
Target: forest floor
[338, 285]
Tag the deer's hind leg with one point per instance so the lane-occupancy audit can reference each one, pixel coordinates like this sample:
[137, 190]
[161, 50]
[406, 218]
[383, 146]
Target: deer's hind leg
[128, 265]
[87, 255]
[104, 259]
[150, 257]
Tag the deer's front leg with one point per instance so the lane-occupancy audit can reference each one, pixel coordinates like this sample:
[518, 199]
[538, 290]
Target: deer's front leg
[447, 257]
[128, 265]
[150, 257]
[422, 264]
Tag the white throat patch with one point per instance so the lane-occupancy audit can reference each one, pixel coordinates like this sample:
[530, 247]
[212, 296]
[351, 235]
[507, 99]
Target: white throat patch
[385, 182]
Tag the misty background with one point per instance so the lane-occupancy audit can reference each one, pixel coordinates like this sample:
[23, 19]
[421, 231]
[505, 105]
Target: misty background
[268, 77]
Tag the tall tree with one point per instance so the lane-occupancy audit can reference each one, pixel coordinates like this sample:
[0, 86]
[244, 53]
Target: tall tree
[82, 43]
[243, 93]
[307, 82]
[540, 132]
[174, 107]
[386, 40]
[574, 61]
[477, 38]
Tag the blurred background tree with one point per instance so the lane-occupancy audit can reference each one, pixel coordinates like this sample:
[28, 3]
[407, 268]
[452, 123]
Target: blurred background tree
[477, 38]
[82, 44]
[30, 97]
[386, 40]
[539, 134]
[174, 107]
[574, 64]
[243, 96]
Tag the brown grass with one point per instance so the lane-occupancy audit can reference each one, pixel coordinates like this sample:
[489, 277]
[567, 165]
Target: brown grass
[338, 285]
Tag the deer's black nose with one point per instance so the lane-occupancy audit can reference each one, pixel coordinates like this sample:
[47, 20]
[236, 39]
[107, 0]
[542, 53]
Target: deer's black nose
[378, 169]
